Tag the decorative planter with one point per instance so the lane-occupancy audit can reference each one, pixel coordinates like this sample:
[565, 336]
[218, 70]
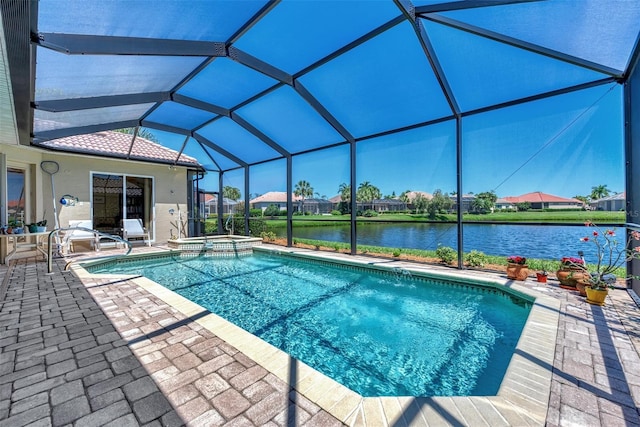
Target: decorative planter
[582, 286]
[541, 277]
[517, 271]
[596, 297]
[569, 276]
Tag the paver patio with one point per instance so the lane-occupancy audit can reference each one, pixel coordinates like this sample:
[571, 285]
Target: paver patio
[107, 352]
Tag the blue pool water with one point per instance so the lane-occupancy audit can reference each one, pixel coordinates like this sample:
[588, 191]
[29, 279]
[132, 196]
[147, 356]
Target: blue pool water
[380, 334]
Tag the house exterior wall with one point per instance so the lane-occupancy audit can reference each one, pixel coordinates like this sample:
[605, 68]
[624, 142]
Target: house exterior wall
[561, 205]
[74, 178]
[211, 208]
[610, 205]
[314, 207]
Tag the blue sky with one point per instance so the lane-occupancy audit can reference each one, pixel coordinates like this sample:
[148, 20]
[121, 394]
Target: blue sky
[563, 145]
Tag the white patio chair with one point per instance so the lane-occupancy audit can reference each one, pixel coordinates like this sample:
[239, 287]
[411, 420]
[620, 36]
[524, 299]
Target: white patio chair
[133, 229]
[73, 236]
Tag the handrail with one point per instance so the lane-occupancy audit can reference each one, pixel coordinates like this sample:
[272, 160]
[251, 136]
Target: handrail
[95, 232]
[226, 225]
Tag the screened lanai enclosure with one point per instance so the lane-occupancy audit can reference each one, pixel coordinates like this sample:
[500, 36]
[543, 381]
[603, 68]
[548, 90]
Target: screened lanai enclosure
[533, 103]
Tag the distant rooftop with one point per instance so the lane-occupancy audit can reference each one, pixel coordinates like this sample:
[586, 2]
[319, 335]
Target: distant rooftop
[616, 196]
[540, 197]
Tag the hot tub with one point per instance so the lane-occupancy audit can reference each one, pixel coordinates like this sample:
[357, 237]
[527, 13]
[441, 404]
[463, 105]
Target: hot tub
[221, 245]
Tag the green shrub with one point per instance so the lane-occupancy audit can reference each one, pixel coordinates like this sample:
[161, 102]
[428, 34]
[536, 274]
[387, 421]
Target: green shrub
[336, 213]
[256, 226]
[344, 207]
[476, 258]
[370, 213]
[446, 254]
[272, 210]
[255, 213]
[211, 227]
[396, 253]
[268, 236]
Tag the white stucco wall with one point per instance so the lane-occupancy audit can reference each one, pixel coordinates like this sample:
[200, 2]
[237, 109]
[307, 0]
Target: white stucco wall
[74, 178]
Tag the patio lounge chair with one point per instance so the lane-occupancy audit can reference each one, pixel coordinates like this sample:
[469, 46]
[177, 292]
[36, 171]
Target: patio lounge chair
[73, 236]
[133, 229]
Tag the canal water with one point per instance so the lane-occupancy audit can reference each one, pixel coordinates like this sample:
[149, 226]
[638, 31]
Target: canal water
[531, 241]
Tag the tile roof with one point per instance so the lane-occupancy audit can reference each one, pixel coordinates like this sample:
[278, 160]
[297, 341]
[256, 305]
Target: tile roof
[274, 197]
[540, 197]
[617, 196]
[117, 144]
[413, 194]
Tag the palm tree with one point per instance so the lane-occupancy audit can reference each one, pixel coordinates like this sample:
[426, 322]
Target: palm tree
[368, 192]
[599, 191]
[404, 198]
[303, 189]
[231, 193]
[345, 192]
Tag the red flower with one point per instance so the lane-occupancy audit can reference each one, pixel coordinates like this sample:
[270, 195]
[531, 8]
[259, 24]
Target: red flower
[516, 259]
[611, 254]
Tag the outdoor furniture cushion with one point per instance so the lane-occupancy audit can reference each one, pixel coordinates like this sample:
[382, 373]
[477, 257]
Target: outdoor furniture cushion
[73, 236]
[133, 228]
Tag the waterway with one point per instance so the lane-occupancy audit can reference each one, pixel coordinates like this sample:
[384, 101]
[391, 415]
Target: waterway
[531, 241]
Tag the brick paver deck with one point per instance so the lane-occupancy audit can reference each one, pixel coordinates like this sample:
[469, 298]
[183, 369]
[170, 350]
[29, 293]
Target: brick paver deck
[110, 353]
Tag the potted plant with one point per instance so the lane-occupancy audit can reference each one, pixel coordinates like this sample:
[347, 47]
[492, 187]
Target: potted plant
[543, 273]
[17, 228]
[41, 226]
[517, 268]
[571, 270]
[612, 253]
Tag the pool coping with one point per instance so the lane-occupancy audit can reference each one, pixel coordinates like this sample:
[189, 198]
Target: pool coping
[523, 397]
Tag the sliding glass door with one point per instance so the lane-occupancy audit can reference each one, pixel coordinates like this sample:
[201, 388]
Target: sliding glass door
[118, 197]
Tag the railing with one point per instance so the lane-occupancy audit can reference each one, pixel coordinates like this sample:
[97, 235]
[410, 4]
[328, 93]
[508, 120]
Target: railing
[226, 224]
[97, 233]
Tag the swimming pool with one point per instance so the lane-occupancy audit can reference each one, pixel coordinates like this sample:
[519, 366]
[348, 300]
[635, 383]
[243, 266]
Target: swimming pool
[380, 334]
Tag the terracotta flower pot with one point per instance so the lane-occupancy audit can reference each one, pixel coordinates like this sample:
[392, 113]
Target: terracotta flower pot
[517, 271]
[541, 277]
[582, 286]
[569, 276]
